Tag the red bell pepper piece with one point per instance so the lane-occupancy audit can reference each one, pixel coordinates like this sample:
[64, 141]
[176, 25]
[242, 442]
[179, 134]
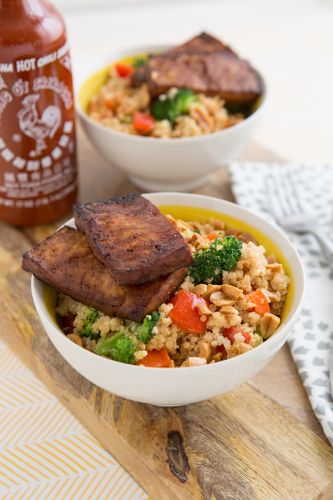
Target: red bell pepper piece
[231, 332]
[143, 122]
[123, 69]
[185, 313]
[156, 358]
[213, 236]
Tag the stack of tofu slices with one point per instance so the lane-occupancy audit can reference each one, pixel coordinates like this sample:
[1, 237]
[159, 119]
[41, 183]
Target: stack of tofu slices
[124, 258]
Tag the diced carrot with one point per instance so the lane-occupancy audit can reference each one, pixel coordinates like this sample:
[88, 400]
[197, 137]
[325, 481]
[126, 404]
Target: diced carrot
[123, 69]
[156, 358]
[143, 122]
[213, 236]
[231, 332]
[110, 103]
[185, 313]
[259, 299]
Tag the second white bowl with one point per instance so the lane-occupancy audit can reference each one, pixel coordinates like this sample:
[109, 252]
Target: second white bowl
[164, 164]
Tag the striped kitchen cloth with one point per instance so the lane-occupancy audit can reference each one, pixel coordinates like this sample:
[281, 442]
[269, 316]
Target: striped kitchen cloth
[311, 342]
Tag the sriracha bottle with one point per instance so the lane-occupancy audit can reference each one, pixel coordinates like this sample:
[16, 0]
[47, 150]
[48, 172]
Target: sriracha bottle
[38, 176]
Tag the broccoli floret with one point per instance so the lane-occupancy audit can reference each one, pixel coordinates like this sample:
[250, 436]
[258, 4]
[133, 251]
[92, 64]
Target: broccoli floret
[183, 100]
[119, 348]
[222, 255]
[91, 316]
[140, 61]
[145, 330]
[172, 107]
[230, 252]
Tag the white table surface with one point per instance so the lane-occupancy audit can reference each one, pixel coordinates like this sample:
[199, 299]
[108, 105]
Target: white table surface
[291, 42]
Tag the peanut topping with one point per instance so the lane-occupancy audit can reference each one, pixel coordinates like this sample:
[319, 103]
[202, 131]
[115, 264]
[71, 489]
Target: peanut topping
[232, 291]
[216, 298]
[204, 349]
[275, 267]
[269, 324]
[194, 361]
[211, 289]
[203, 309]
[229, 310]
[75, 338]
[200, 289]
[217, 357]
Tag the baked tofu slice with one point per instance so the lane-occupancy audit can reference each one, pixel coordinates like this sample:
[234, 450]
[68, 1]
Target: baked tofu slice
[133, 238]
[65, 261]
[202, 43]
[203, 64]
[215, 73]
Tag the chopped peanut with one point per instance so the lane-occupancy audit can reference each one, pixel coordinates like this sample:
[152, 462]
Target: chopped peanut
[268, 324]
[231, 291]
[200, 289]
[211, 289]
[194, 361]
[275, 267]
[229, 310]
[75, 338]
[217, 357]
[271, 259]
[203, 309]
[204, 349]
[216, 298]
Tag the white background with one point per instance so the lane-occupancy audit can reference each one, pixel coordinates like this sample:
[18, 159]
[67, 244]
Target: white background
[291, 42]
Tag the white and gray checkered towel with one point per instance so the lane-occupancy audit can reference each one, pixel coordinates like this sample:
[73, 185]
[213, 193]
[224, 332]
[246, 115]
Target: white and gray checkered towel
[311, 342]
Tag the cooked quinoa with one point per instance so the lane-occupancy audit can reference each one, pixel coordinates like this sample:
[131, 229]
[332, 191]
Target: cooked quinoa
[116, 103]
[234, 322]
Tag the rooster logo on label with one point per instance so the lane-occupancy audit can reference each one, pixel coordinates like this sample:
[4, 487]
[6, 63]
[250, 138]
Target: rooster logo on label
[38, 127]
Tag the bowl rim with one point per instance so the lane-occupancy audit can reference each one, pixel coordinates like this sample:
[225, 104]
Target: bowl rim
[40, 304]
[162, 140]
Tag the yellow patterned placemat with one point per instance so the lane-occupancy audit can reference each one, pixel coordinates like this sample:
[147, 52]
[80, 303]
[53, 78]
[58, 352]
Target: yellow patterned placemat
[44, 451]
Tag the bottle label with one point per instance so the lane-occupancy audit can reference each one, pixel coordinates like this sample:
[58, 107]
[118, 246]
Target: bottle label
[37, 131]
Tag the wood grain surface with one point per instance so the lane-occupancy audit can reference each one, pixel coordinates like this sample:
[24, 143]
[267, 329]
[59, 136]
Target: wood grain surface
[241, 445]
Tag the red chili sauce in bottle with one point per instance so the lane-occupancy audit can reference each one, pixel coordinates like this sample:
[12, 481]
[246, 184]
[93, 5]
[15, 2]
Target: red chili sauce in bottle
[38, 174]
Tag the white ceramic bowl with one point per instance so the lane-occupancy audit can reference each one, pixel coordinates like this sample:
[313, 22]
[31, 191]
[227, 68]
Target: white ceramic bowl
[181, 386]
[164, 164]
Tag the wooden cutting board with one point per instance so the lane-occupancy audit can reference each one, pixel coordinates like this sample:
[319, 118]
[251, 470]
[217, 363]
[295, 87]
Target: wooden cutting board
[241, 445]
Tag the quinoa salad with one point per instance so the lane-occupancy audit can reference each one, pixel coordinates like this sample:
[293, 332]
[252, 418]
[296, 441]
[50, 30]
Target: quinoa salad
[199, 87]
[177, 113]
[229, 303]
